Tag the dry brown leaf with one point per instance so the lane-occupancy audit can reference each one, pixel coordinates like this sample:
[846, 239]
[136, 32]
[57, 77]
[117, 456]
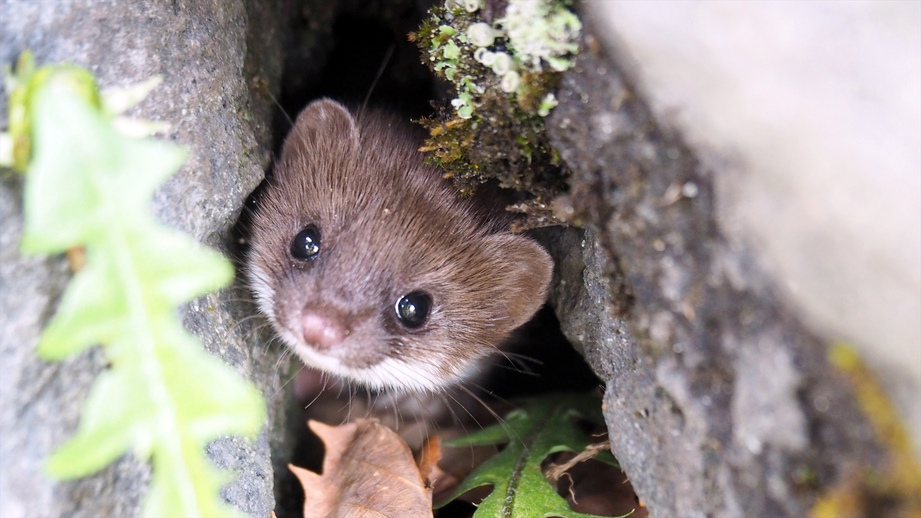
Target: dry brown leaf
[428, 459]
[368, 471]
[76, 258]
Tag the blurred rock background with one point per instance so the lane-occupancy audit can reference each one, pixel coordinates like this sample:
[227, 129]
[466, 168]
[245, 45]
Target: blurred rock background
[813, 111]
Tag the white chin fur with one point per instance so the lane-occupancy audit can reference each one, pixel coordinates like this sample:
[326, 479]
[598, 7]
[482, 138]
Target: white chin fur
[388, 374]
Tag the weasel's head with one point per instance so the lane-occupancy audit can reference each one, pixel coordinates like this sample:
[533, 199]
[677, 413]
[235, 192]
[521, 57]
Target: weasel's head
[370, 268]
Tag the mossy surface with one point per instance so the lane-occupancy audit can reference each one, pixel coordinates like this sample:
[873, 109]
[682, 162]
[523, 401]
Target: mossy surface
[494, 128]
[895, 491]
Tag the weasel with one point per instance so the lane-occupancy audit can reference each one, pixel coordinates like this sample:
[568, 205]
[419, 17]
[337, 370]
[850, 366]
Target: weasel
[369, 266]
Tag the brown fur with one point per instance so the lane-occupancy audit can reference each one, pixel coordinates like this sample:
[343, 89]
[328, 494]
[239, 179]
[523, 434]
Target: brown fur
[389, 225]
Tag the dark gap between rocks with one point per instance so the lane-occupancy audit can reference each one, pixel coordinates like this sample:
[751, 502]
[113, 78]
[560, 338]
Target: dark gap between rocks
[345, 69]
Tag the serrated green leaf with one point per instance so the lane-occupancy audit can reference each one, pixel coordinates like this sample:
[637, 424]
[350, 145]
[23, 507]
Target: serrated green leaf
[164, 397]
[113, 416]
[90, 312]
[209, 395]
[24, 84]
[187, 484]
[543, 426]
[185, 268]
[86, 177]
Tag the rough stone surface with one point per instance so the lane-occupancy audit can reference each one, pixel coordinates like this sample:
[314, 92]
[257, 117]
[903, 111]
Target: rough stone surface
[722, 403]
[39, 401]
[812, 114]
[719, 398]
[219, 60]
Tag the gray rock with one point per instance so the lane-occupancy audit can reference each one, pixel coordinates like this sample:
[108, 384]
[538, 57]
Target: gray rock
[39, 401]
[811, 116]
[719, 401]
[219, 61]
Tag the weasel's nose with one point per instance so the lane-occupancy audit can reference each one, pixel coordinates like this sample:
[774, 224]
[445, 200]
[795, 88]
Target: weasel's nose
[322, 328]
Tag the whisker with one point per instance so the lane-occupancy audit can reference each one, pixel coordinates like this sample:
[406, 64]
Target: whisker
[315, 398]
[397, 414]
[523, 358]
[505, 426]
[464, 408]
[380, 72]
[281, 358]
[348, 417]
[492, 394]
[516, 369]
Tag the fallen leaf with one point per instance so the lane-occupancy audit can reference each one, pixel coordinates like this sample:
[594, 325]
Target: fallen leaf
[368, 471]
[428, 460]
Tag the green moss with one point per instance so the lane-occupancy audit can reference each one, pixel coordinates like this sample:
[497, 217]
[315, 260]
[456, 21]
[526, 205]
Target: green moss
[504, 87]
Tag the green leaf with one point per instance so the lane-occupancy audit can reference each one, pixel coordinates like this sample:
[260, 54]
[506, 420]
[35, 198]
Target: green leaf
[91, 311]
[211, 398]
[164, 397]
[185, 268]
[112, 417]
[84, 176]
[21, 87]
[543, 426]
[191, 484]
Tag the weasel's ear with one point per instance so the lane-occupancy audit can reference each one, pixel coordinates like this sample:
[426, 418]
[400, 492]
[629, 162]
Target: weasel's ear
[322, 125]
[526, 270]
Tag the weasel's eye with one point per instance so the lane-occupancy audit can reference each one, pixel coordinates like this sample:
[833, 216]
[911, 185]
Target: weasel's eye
[306, 244]
[413, 308]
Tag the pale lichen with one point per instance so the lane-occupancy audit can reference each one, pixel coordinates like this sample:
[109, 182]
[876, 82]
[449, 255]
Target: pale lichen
[481, 34]
[504, 67]
[541, 31]
[548, 103]
[531, 35]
